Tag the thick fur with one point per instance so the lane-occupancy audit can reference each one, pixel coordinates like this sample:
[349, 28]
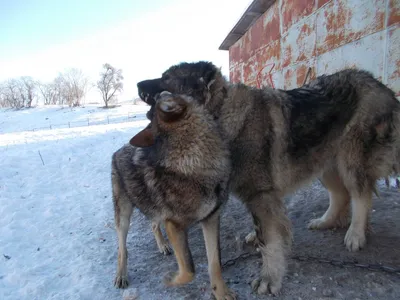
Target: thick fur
[343, 128]
[178, 177]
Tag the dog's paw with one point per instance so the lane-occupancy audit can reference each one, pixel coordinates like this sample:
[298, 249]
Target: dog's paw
[323, 223]
[320, 223]
[174, 279]
[221, 291]
[121, 282]
[227, 294]
[165, 249]
[265, 286]
[251, 238]
[355, 239]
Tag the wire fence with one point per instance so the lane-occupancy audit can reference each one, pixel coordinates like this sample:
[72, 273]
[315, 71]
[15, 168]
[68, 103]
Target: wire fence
[110, 119]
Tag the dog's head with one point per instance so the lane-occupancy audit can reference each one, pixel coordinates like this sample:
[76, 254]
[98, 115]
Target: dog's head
[186, 138]
[200, 80]
[170, 113]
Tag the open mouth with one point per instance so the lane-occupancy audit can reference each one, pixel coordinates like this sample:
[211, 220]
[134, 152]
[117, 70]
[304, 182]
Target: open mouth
[144, 96]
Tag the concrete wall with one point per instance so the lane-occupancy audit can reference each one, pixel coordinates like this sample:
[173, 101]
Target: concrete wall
[326, 35]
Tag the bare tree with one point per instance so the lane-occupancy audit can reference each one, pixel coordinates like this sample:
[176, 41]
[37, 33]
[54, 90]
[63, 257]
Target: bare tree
[2, 95]
[76, 85]
[18, 93]
[48, 92]
[11, 94]
[28, 90]
[70, 87]
[110, 83]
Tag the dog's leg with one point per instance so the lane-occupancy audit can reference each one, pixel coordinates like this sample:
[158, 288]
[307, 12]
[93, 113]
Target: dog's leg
[337, 214]
[162, 244]
[123, 212]
[211, 237]
[178, 239]
[274, 237]
[355, 238]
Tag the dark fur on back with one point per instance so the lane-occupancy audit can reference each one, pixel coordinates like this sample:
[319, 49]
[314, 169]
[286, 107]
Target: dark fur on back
[343, 128]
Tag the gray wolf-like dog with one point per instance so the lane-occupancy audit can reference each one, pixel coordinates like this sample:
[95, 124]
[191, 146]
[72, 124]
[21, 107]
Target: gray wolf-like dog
[343, 128]
[176, 172]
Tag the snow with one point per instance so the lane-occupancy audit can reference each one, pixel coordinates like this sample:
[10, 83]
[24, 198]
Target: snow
[57, 237]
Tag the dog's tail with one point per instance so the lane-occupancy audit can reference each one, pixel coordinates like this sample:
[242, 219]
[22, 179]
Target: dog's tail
[116, 182]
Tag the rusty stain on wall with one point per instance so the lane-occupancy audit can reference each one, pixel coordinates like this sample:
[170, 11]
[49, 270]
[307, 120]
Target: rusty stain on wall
[325, 35]
[343, 21]
[393, 59]
[299, 42]
[394, 12]
[294, 11]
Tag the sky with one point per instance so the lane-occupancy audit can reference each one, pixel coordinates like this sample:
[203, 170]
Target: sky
[42, 38]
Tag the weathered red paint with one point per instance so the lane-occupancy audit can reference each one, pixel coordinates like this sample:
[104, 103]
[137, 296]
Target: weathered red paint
[295, 35]
[271, 23]
[235, 74]
[252, 83]
[287, 54]
[326, 19]
[289, 77]
[336, 22]
[246, 47]
[301, 72]
[394, 12]
[293, 11]
[234, 54]
[269, 54]
[393, 59]
[294, 75]
[264, 31]
[258, 37]
[322, 2]
[299, 43]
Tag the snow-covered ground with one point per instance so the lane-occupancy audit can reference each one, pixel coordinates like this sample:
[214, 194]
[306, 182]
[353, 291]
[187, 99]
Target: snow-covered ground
[56, 117]
[57, 238]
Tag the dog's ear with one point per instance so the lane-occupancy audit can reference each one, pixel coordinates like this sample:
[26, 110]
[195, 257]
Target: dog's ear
[209, 72]
[144, 138]
[148, 89]
[171, 109]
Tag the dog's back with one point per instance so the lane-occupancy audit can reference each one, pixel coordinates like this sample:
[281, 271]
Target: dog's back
[343, 128]
[370, 113]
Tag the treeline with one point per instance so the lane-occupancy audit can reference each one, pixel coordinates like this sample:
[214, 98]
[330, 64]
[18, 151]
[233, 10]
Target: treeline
[68, 88]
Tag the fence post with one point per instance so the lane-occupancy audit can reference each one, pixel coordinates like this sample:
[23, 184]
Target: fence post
[87, 121]
[108, 120]
[69, 124]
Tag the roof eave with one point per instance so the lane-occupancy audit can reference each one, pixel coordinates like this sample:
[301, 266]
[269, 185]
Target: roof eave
[255, 10]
